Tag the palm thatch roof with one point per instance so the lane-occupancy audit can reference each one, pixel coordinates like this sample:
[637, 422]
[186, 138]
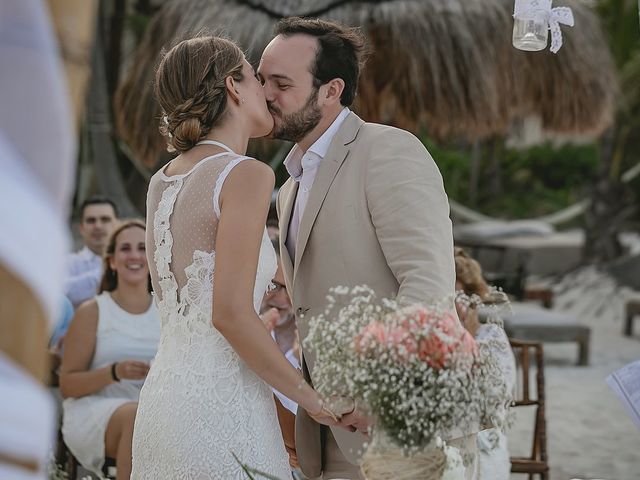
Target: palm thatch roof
[447, 65]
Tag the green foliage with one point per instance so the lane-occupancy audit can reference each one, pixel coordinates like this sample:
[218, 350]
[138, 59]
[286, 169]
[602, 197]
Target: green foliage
[250, 472]
[565, 167]
[532, 182]
[620, 20]
[137, 24]
[455, 166]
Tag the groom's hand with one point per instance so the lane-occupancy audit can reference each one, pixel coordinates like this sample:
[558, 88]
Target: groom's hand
[357, 421]
[339, 407]
[350, 417]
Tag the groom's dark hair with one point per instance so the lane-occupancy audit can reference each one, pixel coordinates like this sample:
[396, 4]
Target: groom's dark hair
[341, 52]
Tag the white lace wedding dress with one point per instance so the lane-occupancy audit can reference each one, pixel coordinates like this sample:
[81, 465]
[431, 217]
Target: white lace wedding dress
[200, 404]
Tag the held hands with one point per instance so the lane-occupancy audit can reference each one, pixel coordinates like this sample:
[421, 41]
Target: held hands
[131, 370]
[342, 412]
[357, 421]
[354, 420]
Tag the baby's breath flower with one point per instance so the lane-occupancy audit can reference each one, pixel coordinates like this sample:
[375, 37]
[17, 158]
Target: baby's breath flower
[414, 368]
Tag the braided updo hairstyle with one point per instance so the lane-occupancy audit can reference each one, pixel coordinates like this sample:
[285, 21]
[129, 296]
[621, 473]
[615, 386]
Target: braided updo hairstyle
[191, 88]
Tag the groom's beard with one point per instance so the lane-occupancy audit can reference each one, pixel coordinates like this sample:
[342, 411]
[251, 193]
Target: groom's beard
[295, 126]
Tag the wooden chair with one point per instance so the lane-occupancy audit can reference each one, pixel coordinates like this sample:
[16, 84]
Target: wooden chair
[632, 310]
[70, 464]
[63, 456]
[525, 352]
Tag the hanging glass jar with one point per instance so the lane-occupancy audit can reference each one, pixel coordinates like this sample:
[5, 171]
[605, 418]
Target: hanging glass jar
[531, 24]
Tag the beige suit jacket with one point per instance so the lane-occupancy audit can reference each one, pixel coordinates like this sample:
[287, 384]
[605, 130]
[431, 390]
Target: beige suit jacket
[377, 214]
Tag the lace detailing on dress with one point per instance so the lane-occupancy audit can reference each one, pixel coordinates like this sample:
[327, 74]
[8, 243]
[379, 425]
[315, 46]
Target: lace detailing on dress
[164, 245]
[198, 292]
[200, 403]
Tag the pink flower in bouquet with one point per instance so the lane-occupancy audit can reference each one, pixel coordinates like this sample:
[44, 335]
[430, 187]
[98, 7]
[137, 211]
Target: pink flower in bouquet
[446, 338]
[374, 332]
[432, 336]
[403, 341]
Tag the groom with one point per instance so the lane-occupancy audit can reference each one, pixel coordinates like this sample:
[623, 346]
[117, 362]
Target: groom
[365, 204]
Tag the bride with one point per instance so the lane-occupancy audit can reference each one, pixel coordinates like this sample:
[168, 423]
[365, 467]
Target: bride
[206, 400]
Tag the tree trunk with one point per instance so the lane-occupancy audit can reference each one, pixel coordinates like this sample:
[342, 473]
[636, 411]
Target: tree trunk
[74, 22]
[496, 151]
[114, 50]
[100, 130]
[474, 174]
[611, 204]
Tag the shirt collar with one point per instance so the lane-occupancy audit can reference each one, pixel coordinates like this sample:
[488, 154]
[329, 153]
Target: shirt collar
[296, 160]
[87, 253]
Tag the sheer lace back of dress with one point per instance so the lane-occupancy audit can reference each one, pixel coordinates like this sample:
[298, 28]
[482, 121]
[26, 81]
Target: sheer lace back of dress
[184, 210]
[200, 404]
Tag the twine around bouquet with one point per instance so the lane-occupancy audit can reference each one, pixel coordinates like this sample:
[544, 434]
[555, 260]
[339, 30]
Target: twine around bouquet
[387, 462]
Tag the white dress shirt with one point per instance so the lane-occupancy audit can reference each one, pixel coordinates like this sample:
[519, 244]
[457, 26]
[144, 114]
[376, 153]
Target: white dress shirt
[84, 270]
[293, 360]
[303, 166]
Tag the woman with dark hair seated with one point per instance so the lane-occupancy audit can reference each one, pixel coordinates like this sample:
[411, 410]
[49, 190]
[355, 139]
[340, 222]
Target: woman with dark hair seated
[108, 348]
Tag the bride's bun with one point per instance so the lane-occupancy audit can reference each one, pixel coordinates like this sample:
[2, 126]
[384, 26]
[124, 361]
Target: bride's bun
[191, 88]
[186, 134]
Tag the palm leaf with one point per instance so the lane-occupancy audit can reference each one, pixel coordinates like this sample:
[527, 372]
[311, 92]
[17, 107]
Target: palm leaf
[253, 471]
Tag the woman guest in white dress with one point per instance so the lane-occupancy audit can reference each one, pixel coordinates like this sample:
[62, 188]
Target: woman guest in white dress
[107, 351]
[206, 400]
[493, 451]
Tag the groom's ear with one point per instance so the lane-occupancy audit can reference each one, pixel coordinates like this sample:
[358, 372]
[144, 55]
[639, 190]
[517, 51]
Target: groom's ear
[232, 90]
[331, 91]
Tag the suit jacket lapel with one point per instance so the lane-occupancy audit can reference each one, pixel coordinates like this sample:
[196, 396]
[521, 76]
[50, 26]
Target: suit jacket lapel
[288, 192]
[336, 155]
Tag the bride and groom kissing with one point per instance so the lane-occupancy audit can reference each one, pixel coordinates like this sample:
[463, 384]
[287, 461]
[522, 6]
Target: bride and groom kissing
[364, 204]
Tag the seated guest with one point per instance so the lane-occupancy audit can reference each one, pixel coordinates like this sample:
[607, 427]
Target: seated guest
[277, 314]
[97, 217]
[61, 326]
[493, 452]
[55, 341]
[107, 351]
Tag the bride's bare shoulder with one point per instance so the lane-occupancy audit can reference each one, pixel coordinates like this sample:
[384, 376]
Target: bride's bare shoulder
[251, 172]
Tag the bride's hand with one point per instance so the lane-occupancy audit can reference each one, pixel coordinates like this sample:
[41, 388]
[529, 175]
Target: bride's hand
[340, 405]
[325, 417]
[331, 411]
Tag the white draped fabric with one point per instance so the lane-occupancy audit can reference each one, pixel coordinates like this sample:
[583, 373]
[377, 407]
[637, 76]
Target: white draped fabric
[37, 164]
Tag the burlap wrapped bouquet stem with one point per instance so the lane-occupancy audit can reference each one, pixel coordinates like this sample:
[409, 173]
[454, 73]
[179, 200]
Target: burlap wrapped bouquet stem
[384, 460]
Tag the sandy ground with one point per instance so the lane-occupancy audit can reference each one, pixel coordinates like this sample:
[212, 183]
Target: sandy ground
[590, 435]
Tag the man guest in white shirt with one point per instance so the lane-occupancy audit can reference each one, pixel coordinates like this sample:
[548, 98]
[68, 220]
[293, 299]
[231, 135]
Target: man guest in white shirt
[97, 217]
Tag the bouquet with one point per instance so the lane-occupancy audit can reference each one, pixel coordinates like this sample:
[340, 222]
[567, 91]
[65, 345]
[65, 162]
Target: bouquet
[418, 373]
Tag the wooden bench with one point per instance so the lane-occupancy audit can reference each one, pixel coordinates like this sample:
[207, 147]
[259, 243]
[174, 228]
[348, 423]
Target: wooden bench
[632, 310]
[543, 294]
[535, 324]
